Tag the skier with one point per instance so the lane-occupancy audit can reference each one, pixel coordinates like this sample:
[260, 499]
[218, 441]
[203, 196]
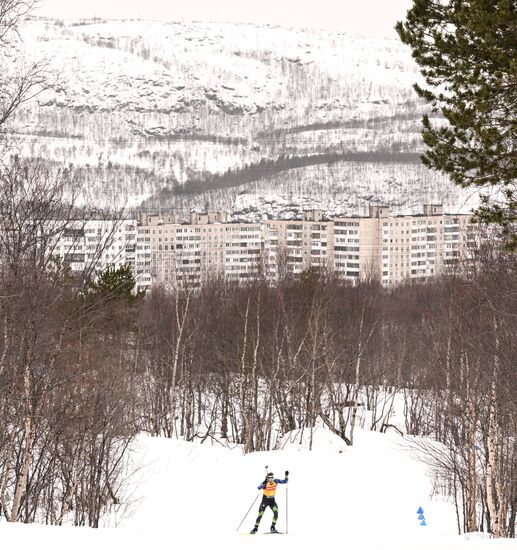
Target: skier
[269, 487]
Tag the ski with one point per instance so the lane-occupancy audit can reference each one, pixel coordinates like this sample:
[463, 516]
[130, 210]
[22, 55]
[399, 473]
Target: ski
[264, 533]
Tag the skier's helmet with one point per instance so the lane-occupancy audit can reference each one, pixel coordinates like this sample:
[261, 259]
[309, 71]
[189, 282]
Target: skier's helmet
[270, 475]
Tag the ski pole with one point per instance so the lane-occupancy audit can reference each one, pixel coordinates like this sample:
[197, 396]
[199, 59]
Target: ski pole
[287, 509]
[254, 500]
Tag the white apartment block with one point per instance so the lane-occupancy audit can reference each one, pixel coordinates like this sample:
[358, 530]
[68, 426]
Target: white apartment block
[89, 246]
[294, 246]
[177, 254]
[354, 247]
[417, 246]
[243, 251]
[398, 248]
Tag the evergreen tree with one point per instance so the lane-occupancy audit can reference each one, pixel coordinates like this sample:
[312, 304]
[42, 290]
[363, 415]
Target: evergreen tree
[467, 53]
[115, 283]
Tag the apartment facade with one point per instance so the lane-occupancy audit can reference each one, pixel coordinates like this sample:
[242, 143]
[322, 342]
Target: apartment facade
[294, 246]
[188, 254]
[389, 248]
[419, 246]
[92, 245]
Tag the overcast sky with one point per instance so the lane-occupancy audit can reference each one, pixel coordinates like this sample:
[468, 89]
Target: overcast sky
[368, 17]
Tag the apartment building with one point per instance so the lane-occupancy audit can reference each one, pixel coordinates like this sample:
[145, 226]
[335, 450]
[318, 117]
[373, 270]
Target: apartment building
[397, 248]
[177, 254]
[294, 246]
[243, 251]
[422, 246]
[357, 246]
[93, 245]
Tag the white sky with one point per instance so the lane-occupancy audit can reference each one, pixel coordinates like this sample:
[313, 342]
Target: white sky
[367, 17]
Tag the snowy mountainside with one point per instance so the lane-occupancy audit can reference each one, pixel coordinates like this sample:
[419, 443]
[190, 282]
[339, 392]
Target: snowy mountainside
[156, 106]
[216, 69]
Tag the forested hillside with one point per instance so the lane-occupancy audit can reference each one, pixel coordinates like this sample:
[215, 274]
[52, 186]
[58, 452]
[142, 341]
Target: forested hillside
[217, 115]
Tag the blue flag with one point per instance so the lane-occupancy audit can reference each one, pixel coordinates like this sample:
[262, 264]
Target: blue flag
[420, 510]
[423, 523]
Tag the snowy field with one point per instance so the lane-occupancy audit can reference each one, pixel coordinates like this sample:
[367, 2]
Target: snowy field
[188, 495]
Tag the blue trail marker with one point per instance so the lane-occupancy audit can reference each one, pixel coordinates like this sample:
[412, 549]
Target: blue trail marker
[421, 517]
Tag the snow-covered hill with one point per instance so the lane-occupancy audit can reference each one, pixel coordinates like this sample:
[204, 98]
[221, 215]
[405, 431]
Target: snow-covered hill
[193, 495]
[217, 69]
[156, 105]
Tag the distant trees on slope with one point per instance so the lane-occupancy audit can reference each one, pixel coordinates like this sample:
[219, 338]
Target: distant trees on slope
[20, 81]
[268, 168]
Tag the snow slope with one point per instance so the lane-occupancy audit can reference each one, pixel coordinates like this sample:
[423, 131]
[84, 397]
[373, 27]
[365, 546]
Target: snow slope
[142, 109]
[185, 100]
[192, 495]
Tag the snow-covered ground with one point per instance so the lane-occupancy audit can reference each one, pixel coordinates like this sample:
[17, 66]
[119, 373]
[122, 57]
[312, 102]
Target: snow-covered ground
[192, 495]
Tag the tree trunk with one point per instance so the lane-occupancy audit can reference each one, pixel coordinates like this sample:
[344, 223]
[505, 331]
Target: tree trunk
[180, 326]
[244, 381]
[494, 495]
[27, 454]
[470, 443]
